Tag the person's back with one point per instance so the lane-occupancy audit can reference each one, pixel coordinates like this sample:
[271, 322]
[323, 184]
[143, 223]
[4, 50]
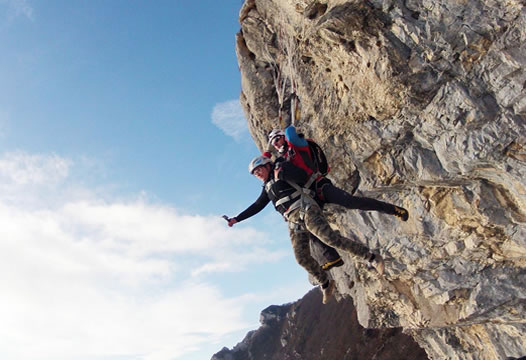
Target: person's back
[295, 149]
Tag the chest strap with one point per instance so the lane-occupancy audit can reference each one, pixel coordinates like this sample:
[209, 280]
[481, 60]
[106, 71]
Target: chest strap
[303, 197]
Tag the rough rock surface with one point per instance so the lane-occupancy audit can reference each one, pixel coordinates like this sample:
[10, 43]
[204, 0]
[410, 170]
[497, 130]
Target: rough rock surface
[427, 100]
[308, 330]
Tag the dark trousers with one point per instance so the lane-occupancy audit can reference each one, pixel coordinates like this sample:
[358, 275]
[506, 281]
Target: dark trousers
[328, 193]
[331, 194]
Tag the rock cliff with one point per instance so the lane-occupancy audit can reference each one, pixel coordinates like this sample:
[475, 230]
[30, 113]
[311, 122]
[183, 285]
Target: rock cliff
[427, 100]
[308, 330]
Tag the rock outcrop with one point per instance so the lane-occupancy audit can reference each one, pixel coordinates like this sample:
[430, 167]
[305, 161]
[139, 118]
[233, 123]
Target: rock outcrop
[427, 100]
[308, 330]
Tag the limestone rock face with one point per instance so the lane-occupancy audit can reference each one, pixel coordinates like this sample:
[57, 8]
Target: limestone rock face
[427, 100]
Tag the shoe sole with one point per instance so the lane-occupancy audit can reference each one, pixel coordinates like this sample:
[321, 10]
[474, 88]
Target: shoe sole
[332, 264]
[401, 213]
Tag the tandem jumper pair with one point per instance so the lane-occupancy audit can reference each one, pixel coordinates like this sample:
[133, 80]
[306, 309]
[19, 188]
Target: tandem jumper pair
[298, 190]
[297, 185]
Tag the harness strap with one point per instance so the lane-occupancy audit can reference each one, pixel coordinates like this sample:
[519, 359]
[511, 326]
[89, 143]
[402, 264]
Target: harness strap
[291, 208]
[285, 199]
[297, 228]
[303, 196]
[295, 195]
[304, 201]
[312, 179]
[268, 185]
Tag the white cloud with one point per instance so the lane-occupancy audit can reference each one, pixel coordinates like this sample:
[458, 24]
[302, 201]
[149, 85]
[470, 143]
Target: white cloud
[18, 8]
[33, 179]
[239, 260]
[19, 168]
[88, 277]
[229, 117]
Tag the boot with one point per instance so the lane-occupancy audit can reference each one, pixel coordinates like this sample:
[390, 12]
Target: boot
[401, 213]
[332, 264]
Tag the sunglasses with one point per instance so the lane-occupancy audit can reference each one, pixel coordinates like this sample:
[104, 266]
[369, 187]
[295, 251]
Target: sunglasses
[275, 140]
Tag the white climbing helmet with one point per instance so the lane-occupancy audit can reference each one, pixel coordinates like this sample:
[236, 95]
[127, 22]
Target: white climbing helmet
[275, 134]
[257, 162]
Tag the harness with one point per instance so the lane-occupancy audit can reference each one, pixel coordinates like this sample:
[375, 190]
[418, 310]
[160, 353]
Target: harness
[302, 198]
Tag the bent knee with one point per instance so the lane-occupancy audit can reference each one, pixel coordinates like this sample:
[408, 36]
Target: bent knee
[307, 261]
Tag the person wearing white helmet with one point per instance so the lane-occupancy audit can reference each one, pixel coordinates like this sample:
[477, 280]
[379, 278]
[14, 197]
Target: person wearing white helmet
[283, 186]
[295, 148]
[264, 169]
[257, 167]
[257, 162]
[275, 135]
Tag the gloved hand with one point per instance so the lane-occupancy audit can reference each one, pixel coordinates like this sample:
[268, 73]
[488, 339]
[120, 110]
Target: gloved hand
[231, 221]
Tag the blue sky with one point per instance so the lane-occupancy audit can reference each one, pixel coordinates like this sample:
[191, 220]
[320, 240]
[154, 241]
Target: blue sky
[121, 144]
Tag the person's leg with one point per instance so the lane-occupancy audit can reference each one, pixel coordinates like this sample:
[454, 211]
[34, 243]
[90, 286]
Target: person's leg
[299, 238]
[334, 195]
[317, 224]
[331, 258]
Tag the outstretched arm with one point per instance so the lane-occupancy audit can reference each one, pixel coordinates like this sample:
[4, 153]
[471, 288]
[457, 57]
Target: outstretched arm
[252, 210]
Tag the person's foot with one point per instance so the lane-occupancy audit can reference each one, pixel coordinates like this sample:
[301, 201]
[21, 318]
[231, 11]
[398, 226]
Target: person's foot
[378, 263]
[401, 213]
[327, 291]
[332, 264]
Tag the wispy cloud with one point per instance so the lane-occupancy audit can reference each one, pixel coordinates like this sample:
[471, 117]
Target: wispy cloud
[92, 277]
[20, 168]
[239, 260]
[17, 8]
[229, 117]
